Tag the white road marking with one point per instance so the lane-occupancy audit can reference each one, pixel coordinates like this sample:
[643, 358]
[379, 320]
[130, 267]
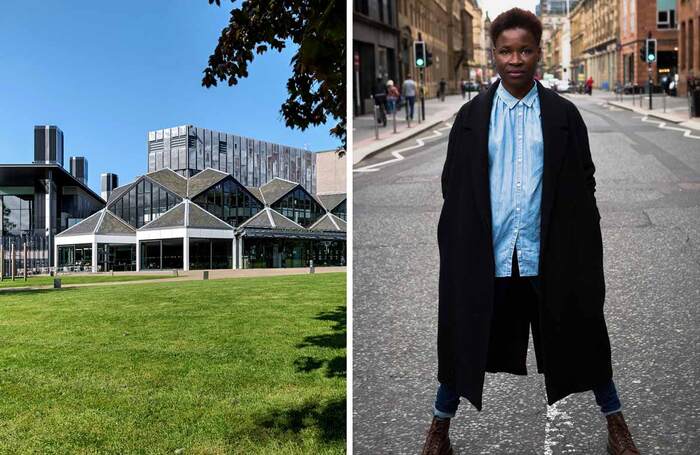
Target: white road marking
[550, 429]
[397, 154]
[686, 132]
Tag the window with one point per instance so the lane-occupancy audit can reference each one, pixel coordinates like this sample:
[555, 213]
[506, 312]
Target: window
[229, 201]
[299, 206]
[666, 14]
[340, 210]
[143, 203]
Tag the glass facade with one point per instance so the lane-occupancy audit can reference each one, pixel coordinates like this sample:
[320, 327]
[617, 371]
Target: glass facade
[116, 257]
[211, 254]
[17, 213]
[74, 206]
[161, 254]
[189, 149]
[143, 203]
[229, 201]
[299, 206]
[75, 258]
[285, 253]
[340, 211]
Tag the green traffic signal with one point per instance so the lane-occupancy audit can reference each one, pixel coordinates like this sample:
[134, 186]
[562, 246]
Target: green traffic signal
[419, 62]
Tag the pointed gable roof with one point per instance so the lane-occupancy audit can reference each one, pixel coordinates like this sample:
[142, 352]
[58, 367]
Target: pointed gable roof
[329, 222]
[175, 217]
[197, 217]
[112, 224]
[331, 201]
[271, 219]
[170, 180]
[204, 180]
[119, 191]
[275, 189]
[86, 226]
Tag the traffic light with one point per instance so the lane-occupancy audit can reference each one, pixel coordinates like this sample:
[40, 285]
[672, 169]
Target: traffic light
[651, 50]
[643, 53]
[429, 58]
[419, 52]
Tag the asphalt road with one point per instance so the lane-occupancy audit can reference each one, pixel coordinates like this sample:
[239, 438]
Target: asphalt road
[648, 192]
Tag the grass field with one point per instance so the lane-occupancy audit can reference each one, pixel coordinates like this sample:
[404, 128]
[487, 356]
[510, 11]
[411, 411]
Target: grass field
[76, 279]
[248, 365]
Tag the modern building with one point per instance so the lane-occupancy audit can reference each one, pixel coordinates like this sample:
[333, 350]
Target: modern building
[48, 144]
[164, 220]
[38, 201]
[188, 150]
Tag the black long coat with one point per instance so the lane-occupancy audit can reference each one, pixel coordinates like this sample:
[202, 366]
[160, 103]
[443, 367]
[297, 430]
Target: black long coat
[571, 338]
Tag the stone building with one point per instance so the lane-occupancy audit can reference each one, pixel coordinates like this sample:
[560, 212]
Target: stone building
[451, 31]
[375, 49]
[688, 43]
[594, 37]
[637, 20]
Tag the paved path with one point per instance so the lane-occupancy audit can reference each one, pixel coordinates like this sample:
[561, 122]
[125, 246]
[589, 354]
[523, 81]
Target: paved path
[193, 276]
[649, 196]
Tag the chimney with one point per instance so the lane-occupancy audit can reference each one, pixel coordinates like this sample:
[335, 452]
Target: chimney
[48, 144]
[79, 169]
[109, 182]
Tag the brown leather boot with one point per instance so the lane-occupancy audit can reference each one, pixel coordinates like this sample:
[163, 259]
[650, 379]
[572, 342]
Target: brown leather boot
[619, 438]
[438, 441]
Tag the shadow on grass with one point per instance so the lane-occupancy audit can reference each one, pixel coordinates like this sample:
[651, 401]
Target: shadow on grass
[337, 339]
[328, 417]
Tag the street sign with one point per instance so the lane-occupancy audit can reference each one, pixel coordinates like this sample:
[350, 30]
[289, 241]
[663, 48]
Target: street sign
[419, 52]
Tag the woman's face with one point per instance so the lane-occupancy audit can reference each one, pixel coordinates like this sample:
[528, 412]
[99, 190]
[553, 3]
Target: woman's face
[516, 54]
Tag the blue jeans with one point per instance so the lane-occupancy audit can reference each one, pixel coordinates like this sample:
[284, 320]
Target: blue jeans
[411, 101]
[446, 401]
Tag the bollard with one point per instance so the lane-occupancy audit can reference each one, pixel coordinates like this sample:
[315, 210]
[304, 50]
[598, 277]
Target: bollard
[205, 275]
[25, 261]
[664, 96]
[2, 263]
[12, 261]
[408, 115]
[393, 115]
[57, 283]
[376, 122]
[312, 269]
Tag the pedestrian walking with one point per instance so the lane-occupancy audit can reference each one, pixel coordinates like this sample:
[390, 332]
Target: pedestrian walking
[520, 244]
[463, 86]
[589, 85]
[379, 95]
[392, 96]
[409, 90]
[442, 87]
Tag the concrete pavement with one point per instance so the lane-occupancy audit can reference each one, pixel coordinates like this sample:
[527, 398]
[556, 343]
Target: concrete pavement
[648, 192]
[365, 143]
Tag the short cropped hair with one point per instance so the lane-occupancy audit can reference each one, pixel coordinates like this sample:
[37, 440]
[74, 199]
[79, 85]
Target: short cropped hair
[516, 18]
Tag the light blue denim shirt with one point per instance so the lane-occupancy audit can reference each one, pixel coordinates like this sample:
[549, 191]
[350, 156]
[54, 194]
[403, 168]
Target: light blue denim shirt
[516, 159]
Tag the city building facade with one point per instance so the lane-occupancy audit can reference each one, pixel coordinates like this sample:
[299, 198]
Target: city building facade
[163, 220]
[594, 42]
[188, 150]
[688, 44]
[639, 20]
[375, 49]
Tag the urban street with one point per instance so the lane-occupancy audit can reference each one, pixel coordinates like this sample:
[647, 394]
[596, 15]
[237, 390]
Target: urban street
[648, 193]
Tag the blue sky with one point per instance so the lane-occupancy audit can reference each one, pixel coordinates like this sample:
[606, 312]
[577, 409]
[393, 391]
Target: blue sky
[108, 72]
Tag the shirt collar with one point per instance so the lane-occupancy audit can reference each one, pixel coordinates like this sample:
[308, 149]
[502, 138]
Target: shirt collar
[511, 101]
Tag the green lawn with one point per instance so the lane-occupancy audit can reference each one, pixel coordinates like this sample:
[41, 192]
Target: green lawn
[248, 365]
[76, 279]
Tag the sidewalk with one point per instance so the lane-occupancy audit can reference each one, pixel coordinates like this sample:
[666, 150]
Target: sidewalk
[436, 112]
[677, 110]
[192, 275]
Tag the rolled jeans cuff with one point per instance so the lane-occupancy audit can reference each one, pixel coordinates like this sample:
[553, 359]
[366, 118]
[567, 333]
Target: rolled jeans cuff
[442, 415]
[612, 412]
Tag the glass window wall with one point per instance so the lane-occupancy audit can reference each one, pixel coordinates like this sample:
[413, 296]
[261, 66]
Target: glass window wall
[145, 202]
[299, 206]
[229, 201]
